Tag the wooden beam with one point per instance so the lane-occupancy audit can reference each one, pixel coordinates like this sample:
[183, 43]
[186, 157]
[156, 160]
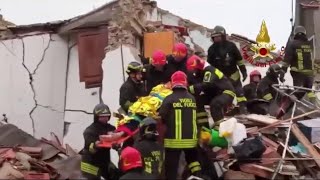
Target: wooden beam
[306, 143]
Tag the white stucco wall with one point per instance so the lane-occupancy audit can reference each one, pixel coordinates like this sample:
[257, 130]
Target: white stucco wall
[79, 102]
[35, 106]
[113, 78]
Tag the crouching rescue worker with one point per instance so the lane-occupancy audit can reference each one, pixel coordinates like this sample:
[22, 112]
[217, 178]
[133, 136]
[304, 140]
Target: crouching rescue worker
[298, 55]
[96, 161]
[254, 104]
[225, 56]
[155, 73]
[133, 88]
[218, 90]
[265, 90]
[131, 165]
[250, 90]
[178, 112]
[150, 149]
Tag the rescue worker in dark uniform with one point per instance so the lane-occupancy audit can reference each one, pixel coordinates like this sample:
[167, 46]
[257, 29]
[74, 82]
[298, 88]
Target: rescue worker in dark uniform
[217, 88]
[133, 88]
[178, 59]
[298, 56]
[155, 73]
[225, 56]
[96, 161]
[150, 149]
[131, 165]
[178, 112]
[264, 89]
[250, 90]
[254, 104]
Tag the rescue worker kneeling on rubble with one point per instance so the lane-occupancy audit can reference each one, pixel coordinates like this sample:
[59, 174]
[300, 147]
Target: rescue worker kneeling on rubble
[178, 112]
[250, 90]
[150, 149]
[225, 56]
[155, 73]
[133, 88]
[131, 165]
[96, 161]
[254, 104]
[265, 90]
[298, 55]
[218, 90]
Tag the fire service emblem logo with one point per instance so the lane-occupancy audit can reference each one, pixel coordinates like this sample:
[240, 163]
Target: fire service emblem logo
[262, 53]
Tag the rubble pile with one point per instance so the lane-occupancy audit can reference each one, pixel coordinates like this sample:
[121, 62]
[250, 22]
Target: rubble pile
[257, 146]
[24, 157]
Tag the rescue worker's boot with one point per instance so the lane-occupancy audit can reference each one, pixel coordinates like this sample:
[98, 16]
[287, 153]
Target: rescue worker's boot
[243, 108]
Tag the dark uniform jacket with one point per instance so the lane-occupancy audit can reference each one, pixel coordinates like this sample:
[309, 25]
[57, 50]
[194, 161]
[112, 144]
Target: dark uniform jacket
[174, 66]
[137, 174]
[92, 155]
[130, 93]
[213, 83]
[250, 91]
[217, 57]
[152, 154]
[153, 77]
[298, 55]
[265, 90]
[179, 113]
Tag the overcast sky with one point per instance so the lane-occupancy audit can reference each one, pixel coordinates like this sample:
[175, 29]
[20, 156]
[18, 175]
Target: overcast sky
[240, 17]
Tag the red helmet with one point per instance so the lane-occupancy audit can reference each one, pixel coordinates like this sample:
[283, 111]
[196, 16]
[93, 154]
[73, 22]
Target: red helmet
[159, 58]
[253, 74]
[179, 79]
[195, 63]
[130, 158]
[179, 50]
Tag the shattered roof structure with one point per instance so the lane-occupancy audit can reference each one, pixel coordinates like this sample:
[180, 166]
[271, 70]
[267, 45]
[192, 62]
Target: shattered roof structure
[46, 158]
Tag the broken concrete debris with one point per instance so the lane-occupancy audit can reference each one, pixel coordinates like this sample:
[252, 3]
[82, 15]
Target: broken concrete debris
[261, 154]
[24, 157]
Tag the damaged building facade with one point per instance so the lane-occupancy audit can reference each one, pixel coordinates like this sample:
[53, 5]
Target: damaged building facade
[54, 74]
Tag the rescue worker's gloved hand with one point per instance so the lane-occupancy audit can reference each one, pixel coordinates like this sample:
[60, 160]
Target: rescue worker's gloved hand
[144, 60]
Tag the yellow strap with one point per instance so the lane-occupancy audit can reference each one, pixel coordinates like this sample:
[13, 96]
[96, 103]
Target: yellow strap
[241, 99]
[195, 169]
[91, 148]
[202, 120]
[88, 168]
[178, 123]
[180, 143]
[240, 63]
[194, 124]
[268, 97]
[231, 93]
[200, 114]
[193, 164]
[218, 73]
[235, 76]
[304, 71]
